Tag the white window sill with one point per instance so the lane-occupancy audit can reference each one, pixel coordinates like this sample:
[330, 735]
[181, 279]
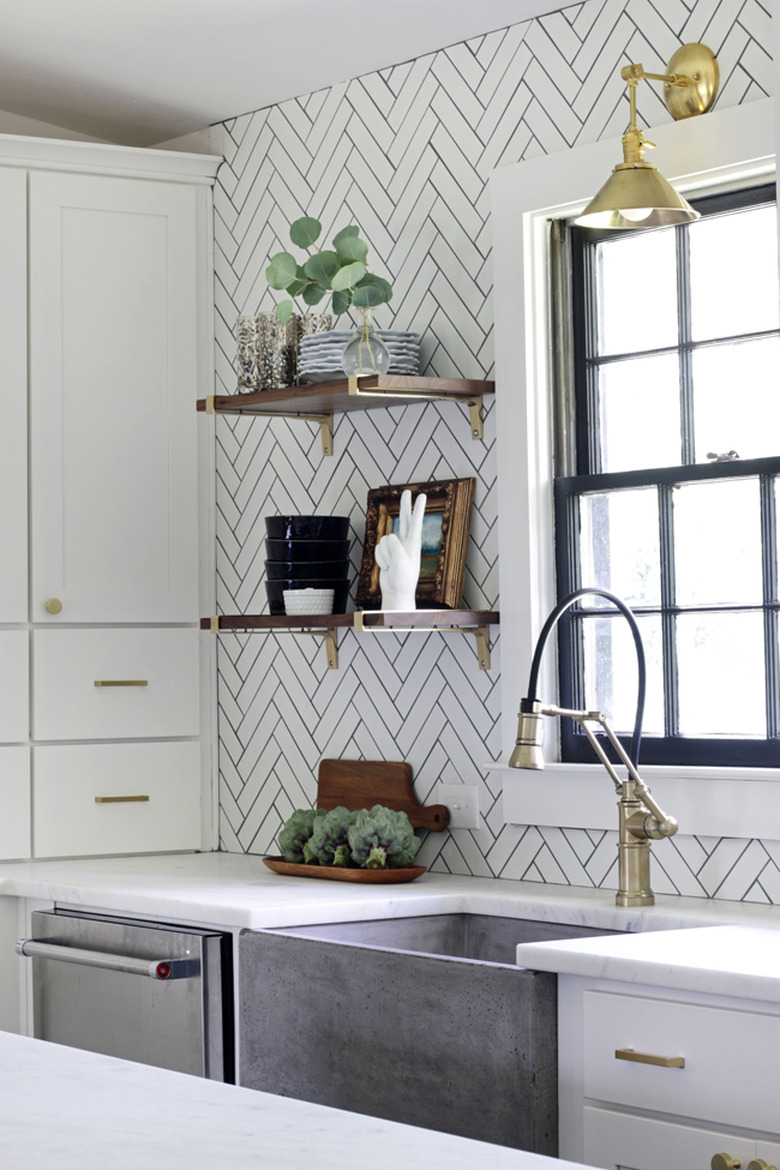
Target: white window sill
[708, 802]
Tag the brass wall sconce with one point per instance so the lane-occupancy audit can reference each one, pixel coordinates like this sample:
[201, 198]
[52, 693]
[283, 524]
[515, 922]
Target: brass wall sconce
[636, 195]
[639, 817]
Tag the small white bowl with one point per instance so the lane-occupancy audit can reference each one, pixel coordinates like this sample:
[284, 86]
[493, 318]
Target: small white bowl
[303, 601]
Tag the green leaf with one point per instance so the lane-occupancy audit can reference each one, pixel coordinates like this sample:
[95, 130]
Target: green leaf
[296, 287]
[368, 296]
[322, 267]
[281, 270]
[345, 234]
[351, 248]
[305, 231]
[348, 276]
[380, 283]
[341, 302]
[284, 311]
[313, 293]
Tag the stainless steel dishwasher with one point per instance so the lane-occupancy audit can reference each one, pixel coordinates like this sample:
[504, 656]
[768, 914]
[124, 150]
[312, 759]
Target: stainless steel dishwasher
[148, 992]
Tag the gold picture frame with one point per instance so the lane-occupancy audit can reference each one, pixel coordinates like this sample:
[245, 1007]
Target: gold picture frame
[445, 541]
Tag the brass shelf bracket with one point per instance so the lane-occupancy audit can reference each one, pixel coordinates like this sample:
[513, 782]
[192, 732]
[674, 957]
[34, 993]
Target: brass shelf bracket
[481, 633]
[324, 421]
[474, 404]
[330, 635]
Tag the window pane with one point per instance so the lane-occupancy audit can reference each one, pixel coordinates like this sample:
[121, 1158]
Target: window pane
[636, 282]
[734, 287]
[736, 403]
[619, 544]
[721, 674]
[639, 402]
[611, 671]
[717, 542]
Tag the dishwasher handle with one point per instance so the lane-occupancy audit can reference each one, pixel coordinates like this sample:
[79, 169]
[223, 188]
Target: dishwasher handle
[163, 969]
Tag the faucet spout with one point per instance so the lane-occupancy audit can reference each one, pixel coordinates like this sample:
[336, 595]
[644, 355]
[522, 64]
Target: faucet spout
[640, 819]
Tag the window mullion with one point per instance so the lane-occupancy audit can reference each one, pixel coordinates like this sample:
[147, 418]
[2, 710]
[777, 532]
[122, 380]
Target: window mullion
[668, 619]
[769, 572]
[687, 436]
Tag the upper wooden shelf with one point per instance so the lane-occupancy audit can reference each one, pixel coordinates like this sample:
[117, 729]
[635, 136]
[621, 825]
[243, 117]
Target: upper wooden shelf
[320, 402]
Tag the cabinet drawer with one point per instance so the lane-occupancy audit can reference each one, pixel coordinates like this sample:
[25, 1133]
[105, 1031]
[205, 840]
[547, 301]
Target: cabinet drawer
[81, 677]
[727, 1072]
[15, 802]
[14, 687]
[621, 1141]
[83, 798]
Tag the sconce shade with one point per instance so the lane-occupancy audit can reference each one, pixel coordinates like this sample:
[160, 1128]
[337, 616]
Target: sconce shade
[636, 197]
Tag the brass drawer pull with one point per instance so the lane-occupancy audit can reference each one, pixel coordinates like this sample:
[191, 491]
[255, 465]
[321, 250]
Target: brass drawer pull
[119, 799]
[646, 1058]
[724, 1162]
[759, 1164]
[121, 682]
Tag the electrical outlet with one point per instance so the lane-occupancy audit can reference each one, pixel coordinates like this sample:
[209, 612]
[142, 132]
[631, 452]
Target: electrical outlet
[463, 802]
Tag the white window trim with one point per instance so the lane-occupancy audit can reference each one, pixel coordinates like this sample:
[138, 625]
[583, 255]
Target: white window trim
[725, 149]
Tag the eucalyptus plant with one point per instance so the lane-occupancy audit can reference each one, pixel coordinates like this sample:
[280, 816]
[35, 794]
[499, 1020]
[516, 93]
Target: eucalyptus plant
[340, 273]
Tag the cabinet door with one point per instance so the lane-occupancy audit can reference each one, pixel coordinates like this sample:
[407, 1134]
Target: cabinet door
[620, 1141]
[116, 684]
[13, 379]
[116, 798]
[113, 323]
[15, 802]
[14, 686]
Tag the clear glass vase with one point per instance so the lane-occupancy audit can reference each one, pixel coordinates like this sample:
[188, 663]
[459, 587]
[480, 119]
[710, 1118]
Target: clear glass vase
[365, 352]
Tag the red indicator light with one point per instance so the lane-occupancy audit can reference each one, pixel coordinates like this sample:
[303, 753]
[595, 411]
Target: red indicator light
[163, 970]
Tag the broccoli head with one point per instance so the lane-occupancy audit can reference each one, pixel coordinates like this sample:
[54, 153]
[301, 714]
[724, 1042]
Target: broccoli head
[330, 831]
[296, 832]
[381, 830]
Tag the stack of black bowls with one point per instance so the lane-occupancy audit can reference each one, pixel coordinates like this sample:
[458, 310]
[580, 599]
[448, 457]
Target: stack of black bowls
[307, 552]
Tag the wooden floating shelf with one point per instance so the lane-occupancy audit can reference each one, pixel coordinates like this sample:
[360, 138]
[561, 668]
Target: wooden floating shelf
[364, 621]
[318, 403]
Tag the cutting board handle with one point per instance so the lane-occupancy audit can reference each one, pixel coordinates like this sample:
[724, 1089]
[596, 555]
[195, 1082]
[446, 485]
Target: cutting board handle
[363, 783]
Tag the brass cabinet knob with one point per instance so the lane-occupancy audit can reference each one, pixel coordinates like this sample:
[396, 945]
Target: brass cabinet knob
[724, 1162]
[54, 605]
[759, 1164]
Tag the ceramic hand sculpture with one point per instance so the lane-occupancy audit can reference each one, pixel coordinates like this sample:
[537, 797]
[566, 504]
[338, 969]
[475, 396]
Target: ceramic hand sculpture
[398, 556]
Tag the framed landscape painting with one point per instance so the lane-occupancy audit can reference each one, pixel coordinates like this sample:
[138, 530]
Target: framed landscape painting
[445, 539]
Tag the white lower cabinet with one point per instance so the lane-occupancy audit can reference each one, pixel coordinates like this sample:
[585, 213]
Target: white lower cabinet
[115, 798]
[14, 686]
[15, 802]
[115, 683]
[623, 1141]
[652, 1077]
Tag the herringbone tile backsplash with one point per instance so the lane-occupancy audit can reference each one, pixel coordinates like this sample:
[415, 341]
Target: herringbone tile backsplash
[406, 153]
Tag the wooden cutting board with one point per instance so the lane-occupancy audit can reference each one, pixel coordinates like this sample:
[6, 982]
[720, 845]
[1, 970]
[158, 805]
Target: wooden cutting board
[363, 783]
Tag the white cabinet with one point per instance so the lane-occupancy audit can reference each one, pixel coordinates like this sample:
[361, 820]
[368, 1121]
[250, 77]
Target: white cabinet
[113, 377]
[13, 379]
[115, 683]
[625, 1141]
[116, 798]
[14, 802]
[106, 298]
[654, 1077]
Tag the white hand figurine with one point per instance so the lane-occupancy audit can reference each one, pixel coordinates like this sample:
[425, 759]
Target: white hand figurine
[398, 556]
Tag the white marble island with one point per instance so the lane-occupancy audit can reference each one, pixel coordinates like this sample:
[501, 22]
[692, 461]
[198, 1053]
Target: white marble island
[66, 1109]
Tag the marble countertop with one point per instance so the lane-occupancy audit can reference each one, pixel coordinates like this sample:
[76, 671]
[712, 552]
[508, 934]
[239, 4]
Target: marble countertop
[739, 960]
[64, 1108]
[235, 891]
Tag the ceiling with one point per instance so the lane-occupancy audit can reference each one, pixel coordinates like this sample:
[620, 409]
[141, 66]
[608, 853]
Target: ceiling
[140, 72]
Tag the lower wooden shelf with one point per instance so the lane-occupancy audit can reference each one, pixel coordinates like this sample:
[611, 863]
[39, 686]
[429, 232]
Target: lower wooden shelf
[444, 621]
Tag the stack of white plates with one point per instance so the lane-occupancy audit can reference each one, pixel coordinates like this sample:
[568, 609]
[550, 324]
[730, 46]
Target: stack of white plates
[320, 353]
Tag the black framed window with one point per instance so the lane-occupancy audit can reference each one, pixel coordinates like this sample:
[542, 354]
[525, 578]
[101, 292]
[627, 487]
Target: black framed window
[674, 504]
